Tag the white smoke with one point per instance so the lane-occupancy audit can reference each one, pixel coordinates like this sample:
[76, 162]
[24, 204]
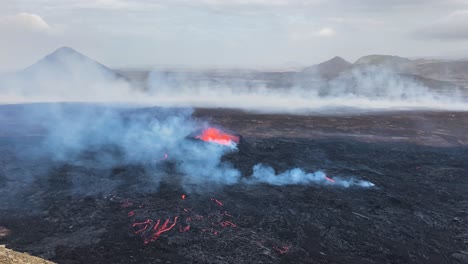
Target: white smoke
[118, 135]
[101, 138]
[266, 174]
[70, 77]
[371, 88]
[122, 136]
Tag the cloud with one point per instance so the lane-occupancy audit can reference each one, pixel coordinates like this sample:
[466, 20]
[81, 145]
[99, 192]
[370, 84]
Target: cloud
[25, 38]
[254, 2]
[452, 27]
[122, 3]
[326, 32]
[24, 22]
[145, 5]
[115, 5]
[358, 4]
[301, 34]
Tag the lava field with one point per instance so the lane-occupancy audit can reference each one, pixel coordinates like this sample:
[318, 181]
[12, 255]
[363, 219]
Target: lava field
[415, 212]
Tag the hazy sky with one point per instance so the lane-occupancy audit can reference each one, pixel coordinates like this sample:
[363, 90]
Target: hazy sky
[230, 33]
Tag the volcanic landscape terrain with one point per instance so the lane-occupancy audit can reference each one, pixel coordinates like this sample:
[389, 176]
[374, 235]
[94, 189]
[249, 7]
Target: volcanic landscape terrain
[416, 212]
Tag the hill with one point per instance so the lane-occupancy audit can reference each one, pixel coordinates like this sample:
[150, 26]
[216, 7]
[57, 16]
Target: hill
[68, 64]
[395, 63]
[329, 69]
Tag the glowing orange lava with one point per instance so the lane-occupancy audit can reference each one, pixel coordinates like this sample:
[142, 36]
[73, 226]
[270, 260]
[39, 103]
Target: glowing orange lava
[215, 135]
[227, 223]
[282, 250]
[186, 220]
[217, 201]
[329, 179]
[152, 230]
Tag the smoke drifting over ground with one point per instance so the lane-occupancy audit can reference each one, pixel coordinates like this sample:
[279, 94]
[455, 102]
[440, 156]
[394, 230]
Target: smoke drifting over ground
[107, 136]
[266, 174]
[370, 88]
[160, 141]
[66, 75]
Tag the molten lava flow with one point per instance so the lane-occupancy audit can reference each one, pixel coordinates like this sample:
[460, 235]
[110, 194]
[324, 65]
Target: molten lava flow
[161, 229]
[185, 220]
[215, 135]
[217, 201]
[226, 214]
[165, 157]
[227, 223]
[151, 230]
[183, 229]
[282, 250]
[329, 179]
[145, 225]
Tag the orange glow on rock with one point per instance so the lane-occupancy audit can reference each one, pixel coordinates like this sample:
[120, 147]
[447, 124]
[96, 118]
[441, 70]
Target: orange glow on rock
[329, 179]
[215, 135]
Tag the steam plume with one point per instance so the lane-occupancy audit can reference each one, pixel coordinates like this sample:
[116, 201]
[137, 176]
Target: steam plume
[101, 138]
[67, 76]
[266, 174]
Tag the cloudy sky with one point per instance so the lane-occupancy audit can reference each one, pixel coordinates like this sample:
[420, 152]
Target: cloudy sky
[230, 33]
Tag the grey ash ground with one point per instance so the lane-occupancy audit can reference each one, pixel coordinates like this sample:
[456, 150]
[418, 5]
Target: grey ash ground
[417, 213]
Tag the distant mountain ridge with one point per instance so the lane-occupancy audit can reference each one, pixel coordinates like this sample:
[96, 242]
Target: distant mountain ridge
[329, 69]
[67, 75]
[439, 71]
[395, 63]
[67, 67]
[381, 59]
[65, 62]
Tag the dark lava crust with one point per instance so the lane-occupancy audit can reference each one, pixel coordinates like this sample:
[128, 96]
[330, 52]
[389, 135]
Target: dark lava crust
[418, 212]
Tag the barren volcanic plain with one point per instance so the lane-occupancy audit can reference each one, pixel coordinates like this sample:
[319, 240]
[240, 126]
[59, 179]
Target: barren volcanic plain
[417, 212]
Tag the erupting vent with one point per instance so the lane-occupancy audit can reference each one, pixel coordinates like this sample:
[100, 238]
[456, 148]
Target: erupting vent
[215, 135]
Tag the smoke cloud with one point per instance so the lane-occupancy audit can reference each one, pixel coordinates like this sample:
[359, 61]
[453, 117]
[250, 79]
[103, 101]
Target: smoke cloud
[160, 141]
[266, 174]
[87, 144]
[366, 88]
[67, 76]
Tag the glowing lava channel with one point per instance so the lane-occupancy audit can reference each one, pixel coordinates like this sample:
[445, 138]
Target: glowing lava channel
[215, 135]
[151, 230]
